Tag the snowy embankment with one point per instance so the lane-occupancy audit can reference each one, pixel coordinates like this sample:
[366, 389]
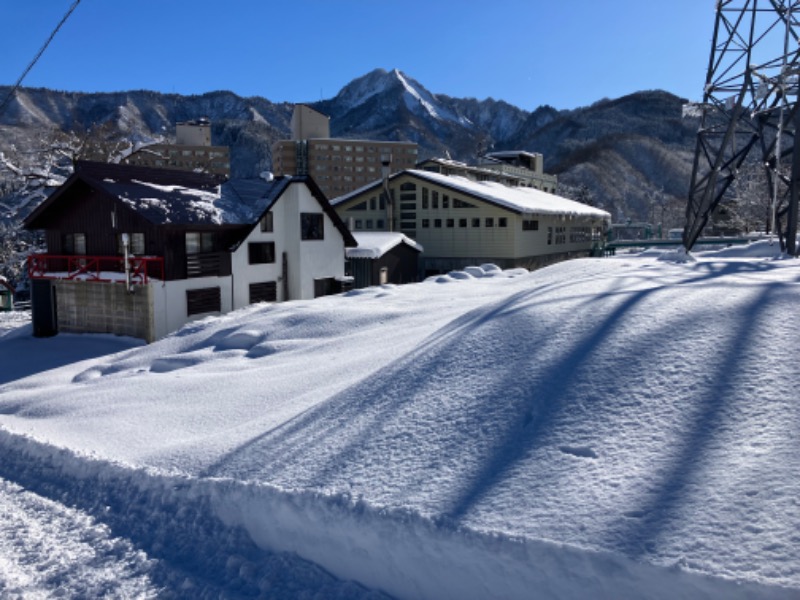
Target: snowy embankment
[606, 428]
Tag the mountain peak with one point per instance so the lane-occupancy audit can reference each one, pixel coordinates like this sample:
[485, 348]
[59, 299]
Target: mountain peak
[409, 91]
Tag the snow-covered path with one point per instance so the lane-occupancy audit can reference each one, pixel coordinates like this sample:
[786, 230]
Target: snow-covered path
[48, 548]
[103, 536]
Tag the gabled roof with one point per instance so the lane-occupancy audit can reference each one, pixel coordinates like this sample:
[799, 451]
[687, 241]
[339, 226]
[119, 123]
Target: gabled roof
[6, 284]
[170, 197]
[374, 244]
[519, 200]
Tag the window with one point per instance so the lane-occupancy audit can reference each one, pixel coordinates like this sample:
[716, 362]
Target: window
[407, 187]
[408, 215]
[437, 222]
[445, 201]
[580, 234]
[75, 243]
[476, 222]
[426, 223]
[549, 236]
[372, 204]
[266, 222]
[359, 206]
[425, 202]
[379, 224]
[530, 225]
[311, 226]
[435, 199]
[369, 223]
[502, 222]
[450, 222]
[326, 286]
[266, 291]
[198, 242]
[462, 222]
[489, 222]
[135, 243]
[260, 253]
[203, 300]
[461, 204]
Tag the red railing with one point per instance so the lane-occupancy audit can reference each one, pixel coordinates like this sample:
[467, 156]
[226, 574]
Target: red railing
[95, 268]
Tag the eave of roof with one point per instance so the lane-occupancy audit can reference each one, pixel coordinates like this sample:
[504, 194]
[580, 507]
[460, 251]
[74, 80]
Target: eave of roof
[517, 200]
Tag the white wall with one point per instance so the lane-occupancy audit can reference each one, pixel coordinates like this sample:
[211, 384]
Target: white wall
[309, 259]
[244, 273]
[169, 301]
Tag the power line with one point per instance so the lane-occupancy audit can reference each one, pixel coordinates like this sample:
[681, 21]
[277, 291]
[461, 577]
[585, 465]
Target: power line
[37, 57]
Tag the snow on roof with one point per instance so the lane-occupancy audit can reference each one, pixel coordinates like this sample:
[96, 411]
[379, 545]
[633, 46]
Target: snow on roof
[374, 244]
[524, 200]
[235, 202]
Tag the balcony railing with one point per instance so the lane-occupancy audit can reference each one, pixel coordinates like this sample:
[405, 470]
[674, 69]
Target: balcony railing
[95, 268]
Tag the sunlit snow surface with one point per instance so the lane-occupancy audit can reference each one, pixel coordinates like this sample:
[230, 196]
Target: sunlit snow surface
[620, 427]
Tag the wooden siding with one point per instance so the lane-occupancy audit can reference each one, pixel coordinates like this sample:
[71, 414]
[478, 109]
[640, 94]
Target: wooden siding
[401, 263]
[84, 210]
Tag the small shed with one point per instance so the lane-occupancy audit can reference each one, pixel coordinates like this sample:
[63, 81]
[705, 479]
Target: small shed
[383, 257]
[6, 295]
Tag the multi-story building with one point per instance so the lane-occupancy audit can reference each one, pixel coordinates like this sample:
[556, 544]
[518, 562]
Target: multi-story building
[513, 168]
[461, 222]
[338, 166]
[192, 151]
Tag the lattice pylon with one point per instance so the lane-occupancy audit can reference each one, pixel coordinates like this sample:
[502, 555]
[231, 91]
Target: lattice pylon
[749, 105]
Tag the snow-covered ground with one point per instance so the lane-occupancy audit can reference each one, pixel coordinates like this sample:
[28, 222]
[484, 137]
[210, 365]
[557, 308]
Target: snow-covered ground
[608, 428]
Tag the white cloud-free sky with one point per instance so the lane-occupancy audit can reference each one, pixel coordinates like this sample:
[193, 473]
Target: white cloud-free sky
[528, 53]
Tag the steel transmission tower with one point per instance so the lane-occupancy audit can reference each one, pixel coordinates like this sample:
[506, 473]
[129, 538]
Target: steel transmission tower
[750, 105]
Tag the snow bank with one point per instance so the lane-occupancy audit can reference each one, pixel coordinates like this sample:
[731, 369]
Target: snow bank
[603, 427]
[196, 535]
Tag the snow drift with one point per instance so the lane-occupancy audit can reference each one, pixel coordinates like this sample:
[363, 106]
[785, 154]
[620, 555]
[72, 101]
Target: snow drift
[604, 427]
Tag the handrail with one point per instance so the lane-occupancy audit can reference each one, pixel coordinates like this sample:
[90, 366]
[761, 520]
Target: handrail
[95, 268]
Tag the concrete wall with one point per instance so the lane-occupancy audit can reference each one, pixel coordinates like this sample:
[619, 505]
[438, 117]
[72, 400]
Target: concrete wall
[95, 307]
[308, 123]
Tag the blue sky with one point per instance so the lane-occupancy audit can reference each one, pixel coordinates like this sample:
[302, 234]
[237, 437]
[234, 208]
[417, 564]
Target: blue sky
[526, 52]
